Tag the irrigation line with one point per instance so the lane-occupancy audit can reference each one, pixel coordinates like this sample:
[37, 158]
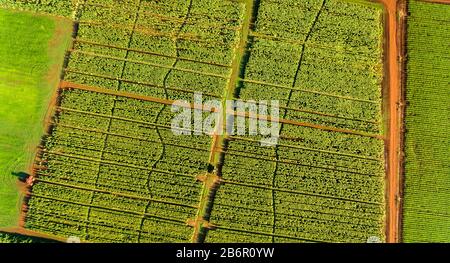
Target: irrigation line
[118, 154]
[277, 148]
[310, 211]
[164, 20]
[315, 45]
[124, 186]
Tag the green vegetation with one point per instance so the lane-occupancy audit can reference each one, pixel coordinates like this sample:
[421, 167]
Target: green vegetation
[54, 7]
[315, 186]
[426, 216]
[111, 170]
[16, 238]
[25, 89]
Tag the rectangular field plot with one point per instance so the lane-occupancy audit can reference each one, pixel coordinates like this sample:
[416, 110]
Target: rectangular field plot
[112, 169]
[110, 155]
[426, 216]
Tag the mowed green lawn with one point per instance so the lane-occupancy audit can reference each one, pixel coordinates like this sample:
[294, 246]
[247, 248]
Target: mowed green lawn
[31, 54]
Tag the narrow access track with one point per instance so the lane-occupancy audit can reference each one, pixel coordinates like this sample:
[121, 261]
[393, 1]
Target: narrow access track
[393, 106]
[69, 85]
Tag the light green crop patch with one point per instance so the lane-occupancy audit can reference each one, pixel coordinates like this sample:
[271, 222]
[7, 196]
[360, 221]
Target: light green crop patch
[31, 46]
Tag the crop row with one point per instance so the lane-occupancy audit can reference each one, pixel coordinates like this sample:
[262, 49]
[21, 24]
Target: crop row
[54, 7]
[329, 63]
[70, 219]
[425, 209]
[102, 156]
[298, 216]
[316, 185]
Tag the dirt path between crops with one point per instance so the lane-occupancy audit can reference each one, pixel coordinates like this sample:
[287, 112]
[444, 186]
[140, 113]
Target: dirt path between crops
[70, 85]
[393, 99]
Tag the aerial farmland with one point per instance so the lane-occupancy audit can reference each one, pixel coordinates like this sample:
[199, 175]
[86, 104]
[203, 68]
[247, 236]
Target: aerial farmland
[224, 121]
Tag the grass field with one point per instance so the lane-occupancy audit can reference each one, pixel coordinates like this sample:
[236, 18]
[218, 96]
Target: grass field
[426, 216]
[31, 47]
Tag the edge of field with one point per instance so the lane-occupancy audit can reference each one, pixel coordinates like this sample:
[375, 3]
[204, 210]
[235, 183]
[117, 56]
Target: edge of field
[57, 45]
[393, 108]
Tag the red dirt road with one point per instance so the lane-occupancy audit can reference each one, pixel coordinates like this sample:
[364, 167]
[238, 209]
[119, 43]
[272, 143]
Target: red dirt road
[394, 114]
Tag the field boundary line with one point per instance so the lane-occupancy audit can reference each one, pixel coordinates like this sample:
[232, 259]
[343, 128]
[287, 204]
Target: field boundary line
[174, 21]
[393, 107]
[138, 82]
[108, 208]
[147, 63]
[68, 85]
[313, 44]
[307, 91]
[317, 113]
[153, 33]
[89, 42]
[130, 137]
[68, 185]
[266, 234]
[212, 182]
[125, 119]
[291, 161]
[158, 15]
[225, 181]
[309, 149]
[95, 160]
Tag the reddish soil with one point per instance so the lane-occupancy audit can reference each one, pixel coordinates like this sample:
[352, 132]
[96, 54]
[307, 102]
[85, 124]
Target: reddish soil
[69, 85]
[393, 108]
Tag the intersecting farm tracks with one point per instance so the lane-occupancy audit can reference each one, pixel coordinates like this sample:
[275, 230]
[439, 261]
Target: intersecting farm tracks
[112, 169]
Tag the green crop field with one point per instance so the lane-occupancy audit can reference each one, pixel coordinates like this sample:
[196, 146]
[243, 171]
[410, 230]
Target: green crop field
[315, 186]
[26, 57]
[111, 169]
[16, 238]
[426, 216]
